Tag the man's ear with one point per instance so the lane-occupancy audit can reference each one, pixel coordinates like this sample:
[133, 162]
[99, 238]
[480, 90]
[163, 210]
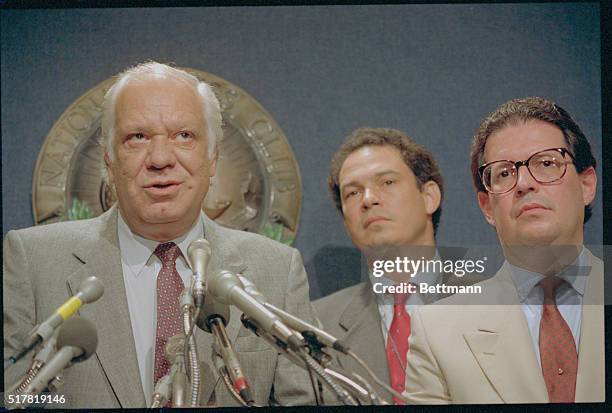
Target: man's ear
[588, 182]
[431, 196]
[484, 202]
[212, 168]
[108, 163]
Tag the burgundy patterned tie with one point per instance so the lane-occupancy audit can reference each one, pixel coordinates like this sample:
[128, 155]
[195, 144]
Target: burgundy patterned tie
[557, 348]
[397, 344]
[169, 289]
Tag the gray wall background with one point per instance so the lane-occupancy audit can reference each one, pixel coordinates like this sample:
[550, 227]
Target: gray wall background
[431, 70]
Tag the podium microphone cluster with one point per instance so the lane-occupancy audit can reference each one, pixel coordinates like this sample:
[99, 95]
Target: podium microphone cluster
[90, 290]
[77, 340]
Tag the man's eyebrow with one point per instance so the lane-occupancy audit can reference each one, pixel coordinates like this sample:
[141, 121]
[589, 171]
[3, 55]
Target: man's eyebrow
[387, 172]
[377, 175]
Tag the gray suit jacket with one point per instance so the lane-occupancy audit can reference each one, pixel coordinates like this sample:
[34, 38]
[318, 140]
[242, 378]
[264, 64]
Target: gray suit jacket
[44, 265]
[351, 314]
[479, 350]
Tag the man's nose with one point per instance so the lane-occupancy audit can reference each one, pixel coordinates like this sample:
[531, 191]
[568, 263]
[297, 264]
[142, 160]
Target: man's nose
[525, 182]
[371, 197]
[161, 153]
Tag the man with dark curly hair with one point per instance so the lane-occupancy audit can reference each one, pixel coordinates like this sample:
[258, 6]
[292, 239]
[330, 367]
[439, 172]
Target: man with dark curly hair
[389, 192]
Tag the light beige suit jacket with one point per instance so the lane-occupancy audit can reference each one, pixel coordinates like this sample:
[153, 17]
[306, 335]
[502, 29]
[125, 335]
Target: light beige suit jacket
[44, 265]
[468, 350]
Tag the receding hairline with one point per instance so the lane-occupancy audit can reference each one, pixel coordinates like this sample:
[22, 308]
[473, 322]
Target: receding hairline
[513, 122]
[143, 79]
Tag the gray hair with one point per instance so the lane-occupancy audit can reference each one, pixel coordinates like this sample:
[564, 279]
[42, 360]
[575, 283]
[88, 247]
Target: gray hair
[210, 103]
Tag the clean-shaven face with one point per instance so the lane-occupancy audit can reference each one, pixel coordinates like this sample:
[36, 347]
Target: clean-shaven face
[381, 201]
[534, 213]
[161, 169]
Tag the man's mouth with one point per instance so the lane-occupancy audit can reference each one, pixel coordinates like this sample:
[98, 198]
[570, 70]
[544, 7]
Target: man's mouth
[163, 188]
[372, 220]
[530, 207]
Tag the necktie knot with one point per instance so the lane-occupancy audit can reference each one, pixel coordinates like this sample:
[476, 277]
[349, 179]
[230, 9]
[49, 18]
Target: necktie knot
[167, 252]
[400, 298]
[549, 286]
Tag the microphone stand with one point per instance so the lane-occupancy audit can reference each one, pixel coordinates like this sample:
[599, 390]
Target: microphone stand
[191, 355]
[303, 359]
[41, 358]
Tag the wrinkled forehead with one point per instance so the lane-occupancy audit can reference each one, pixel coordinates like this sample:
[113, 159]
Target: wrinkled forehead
[519, 140]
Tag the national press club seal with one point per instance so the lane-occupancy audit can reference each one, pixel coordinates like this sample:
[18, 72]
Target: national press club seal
[257, 186]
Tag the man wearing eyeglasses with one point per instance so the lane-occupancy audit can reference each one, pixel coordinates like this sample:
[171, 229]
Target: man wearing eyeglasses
[536, 333]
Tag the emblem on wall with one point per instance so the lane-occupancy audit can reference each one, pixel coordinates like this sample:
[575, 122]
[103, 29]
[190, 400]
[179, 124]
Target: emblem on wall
[257, 186]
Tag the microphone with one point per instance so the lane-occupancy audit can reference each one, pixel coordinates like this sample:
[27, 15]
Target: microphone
[228, 289]
[212, 309]
[293, 321]
[213, 318]
[175, 353]
[77, 340]
[198, 254]
[90, 290]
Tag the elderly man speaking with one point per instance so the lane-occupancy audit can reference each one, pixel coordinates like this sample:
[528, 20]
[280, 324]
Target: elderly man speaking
[159, 129]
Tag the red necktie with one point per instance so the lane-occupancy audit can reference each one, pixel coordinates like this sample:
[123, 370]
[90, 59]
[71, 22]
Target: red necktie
[397, 344]
[169, 289]
[557, 348]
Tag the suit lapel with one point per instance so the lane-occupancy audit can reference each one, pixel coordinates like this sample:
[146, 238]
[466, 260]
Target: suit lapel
[590, 380]
[224, 256]
[116, 351]
[362, 323]
[502, 344]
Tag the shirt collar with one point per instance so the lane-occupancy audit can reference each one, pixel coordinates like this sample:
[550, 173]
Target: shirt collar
[574, 275]
[136, 250]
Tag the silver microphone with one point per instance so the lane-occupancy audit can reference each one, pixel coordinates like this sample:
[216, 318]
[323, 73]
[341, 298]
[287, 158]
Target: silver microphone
[90, 290]
[175, 353]
[293, 321]
[77, 340]
[198, 254]
[228, 289]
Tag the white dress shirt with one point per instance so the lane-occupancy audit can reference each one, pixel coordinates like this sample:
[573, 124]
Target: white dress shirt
[569, 297]
[140, 270]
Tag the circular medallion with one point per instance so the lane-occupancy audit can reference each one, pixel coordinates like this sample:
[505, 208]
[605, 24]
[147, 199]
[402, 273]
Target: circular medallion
[257, 186]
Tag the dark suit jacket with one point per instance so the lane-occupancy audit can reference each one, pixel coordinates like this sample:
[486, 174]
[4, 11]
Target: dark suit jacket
[44, 265]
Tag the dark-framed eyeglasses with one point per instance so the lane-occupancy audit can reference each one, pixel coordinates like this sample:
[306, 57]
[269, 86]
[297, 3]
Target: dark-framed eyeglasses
[549, 165]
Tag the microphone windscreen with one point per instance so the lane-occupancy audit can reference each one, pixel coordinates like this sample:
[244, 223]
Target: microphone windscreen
[212, 308]
[175, 347]
[81, 333]
[197, 253]
[221, 284]
[91, 289]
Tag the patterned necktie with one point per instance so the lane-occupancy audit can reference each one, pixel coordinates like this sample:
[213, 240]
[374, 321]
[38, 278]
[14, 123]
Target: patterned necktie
[397, 344]
[557, 348]
[169, 289]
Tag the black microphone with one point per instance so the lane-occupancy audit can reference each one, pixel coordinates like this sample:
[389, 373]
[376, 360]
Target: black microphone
[77, 340]
[213, 318]
[198, 254]
[90, 290]
[228, 289]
